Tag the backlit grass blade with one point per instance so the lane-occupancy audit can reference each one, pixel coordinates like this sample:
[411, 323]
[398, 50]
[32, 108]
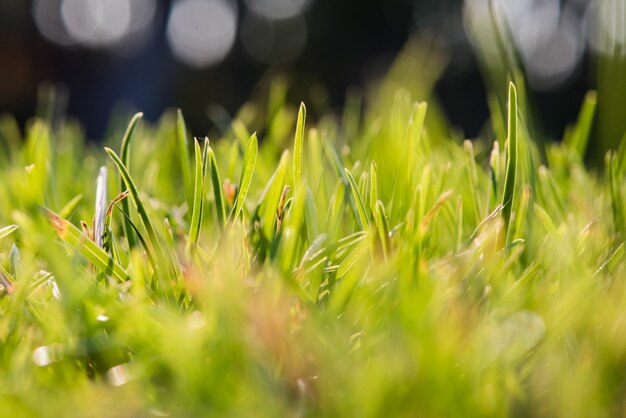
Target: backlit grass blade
[361, 214]
[373, 187]
[220, 203]
[183, 154]
[125, 157]
[432, 213]
[382, 225]
[141, 209]
[579, 137]
[86, 247]
[69, 207]
[269, 205]
[297, 148]
[142, 240]
[511, 163]
[101, 206]
[198, 196]
[247, 170]
[7, 230]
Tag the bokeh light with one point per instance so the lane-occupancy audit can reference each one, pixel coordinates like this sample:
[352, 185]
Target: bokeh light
[278, 9]
[94, 23]
[47, 16]
[202, 32]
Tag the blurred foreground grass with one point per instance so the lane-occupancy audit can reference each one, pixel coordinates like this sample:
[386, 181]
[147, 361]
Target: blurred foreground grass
[370, 265]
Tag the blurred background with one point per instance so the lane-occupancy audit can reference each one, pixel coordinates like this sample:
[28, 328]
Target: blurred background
[210, 56]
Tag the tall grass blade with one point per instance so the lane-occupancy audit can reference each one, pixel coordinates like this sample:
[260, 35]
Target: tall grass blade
[247, 170]
[125, 157]
[198, 195]
[511, 163]
[577, 141]
[220, 203]
[373, 187]
[272, 197]
[297, 148]
[139, 205]
[361, 214]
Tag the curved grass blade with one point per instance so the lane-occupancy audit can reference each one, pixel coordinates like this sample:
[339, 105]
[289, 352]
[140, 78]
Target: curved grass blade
[511, 163]
[220, 203]
[7, 230]
[142, 240]
[86, 247]
[249, 161]
[141, 209]
[361, 214]
[297, 149]
[198, 195]
[69, 207]
[183, 153]
[432, 213]
[125, 156]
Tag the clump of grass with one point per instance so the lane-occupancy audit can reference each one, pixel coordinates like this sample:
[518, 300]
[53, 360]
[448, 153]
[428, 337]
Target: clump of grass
[394, 270]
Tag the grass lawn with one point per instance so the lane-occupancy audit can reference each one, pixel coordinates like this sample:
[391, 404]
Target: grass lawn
[371, 265]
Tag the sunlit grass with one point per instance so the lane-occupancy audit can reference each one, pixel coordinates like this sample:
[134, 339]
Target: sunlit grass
[394, 270]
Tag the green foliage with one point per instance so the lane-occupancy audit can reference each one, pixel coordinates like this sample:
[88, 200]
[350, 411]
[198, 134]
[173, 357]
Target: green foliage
[395, 270]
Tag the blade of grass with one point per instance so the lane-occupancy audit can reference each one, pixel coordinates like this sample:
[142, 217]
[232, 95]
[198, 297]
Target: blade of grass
[198, 196]
[577, 141]
[220, 203]
[125, 156]
[511, 163]
[141, 209]
[382, 226]
[373, 187]
[7, 230]
[69, 207]
[247, 170]
[86, 247]
[361, 214]
[142, 240]
[269, 205]
[297, 149]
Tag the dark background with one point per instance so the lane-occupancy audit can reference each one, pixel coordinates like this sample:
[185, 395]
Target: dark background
[348, 43]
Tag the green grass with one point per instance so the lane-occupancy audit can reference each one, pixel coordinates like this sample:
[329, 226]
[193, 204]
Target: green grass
[395, 270]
